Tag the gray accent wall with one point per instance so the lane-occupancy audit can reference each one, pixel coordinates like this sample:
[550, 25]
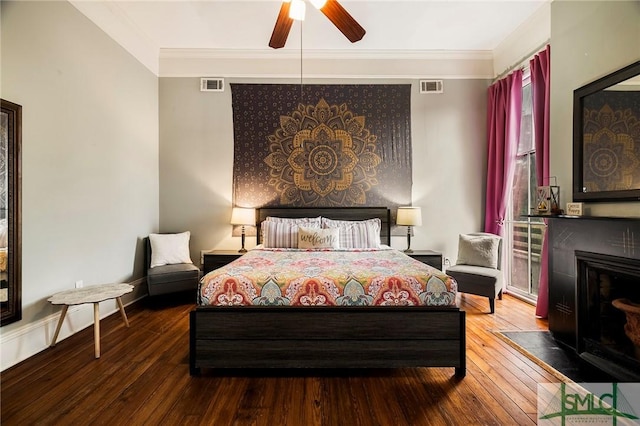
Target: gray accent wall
[196, 161]
[90, 157]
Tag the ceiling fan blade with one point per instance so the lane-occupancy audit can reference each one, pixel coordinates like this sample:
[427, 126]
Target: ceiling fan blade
[282, 27]
[343, 20]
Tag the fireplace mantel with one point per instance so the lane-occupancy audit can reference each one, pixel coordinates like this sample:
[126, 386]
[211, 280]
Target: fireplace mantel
[613, 236]
[564, 216]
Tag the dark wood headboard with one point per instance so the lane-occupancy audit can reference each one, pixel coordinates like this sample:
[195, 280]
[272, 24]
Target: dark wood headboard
[337, 213]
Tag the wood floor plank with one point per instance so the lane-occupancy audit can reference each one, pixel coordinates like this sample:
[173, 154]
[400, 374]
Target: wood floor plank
[360, 399]
[507, 381]
[508, 360]
[222, 407]
[490, 388]
[143, 377]
[186, 408]
[424, 396]
[474, 395]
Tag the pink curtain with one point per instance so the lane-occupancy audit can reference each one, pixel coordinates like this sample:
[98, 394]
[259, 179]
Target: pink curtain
[504, 110]
[540, 89]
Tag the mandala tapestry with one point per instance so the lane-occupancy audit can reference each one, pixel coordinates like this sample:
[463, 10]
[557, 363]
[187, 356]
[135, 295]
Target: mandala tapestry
[321, 145]
[611, 141]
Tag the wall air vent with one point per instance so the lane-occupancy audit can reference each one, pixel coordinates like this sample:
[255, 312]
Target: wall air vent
[212, 84]
[431, 86]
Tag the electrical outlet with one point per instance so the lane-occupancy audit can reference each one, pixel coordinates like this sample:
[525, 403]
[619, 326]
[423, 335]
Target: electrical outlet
[447, 262]
[79, 284]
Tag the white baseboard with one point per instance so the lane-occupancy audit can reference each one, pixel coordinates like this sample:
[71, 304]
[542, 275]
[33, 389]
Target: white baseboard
[28, 340]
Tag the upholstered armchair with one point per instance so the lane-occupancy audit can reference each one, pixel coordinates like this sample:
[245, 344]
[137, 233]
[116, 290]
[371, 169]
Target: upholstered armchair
[168, 264]
[478, 269]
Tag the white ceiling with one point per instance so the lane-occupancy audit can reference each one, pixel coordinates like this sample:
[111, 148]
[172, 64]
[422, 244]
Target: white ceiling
[246, 25]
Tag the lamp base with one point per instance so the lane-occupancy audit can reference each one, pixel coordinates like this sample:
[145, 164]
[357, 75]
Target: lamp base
[242, 250]
[408, 250]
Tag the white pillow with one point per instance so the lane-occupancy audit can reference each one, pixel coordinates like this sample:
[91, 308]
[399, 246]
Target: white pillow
[169, 249]
[478, 250]
[315, 238]
[356, 234]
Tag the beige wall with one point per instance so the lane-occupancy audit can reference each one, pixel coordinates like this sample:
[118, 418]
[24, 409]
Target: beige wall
[589, 39]
[90, 160]
[196, 160]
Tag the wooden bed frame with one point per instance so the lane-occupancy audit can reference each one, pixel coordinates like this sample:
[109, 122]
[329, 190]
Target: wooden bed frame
[327, 337]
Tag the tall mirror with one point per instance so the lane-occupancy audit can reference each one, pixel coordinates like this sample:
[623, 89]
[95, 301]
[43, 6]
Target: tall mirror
[10, 209]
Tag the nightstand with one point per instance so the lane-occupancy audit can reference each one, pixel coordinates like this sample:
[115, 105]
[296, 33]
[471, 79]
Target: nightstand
[430, 257]
[217, 259]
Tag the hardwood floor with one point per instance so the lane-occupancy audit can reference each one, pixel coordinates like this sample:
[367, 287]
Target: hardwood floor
[143, 377]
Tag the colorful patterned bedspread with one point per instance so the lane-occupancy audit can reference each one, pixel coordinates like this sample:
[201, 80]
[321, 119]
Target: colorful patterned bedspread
[295, 277]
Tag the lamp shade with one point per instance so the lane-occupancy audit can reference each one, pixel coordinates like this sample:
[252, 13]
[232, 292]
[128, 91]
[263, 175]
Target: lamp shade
[409, 216]
[243, 216]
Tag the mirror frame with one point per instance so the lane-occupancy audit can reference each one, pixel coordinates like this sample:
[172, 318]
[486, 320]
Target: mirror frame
[579, 95]
[13, 311]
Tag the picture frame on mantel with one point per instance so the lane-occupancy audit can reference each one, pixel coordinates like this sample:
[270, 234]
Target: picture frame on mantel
[606, 159]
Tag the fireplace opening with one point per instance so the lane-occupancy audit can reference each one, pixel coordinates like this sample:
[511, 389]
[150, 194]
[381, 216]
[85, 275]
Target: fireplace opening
[606, 332]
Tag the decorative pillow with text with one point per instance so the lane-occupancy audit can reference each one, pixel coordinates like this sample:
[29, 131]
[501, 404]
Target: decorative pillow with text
[315, 238]
[281, 234]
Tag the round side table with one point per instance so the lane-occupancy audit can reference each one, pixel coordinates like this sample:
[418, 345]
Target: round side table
[90, 294]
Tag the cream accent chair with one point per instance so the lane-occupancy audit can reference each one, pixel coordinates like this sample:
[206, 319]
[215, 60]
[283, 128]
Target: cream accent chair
[478, 269]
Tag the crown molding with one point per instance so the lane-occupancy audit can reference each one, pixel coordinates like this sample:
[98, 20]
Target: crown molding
[326, 54]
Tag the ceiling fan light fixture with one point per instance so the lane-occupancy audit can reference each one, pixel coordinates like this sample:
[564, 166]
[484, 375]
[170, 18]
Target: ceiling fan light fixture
[291, 10]
[318, 3]
[297, 10]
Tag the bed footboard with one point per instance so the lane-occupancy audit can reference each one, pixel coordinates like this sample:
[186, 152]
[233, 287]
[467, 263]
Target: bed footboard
[331, 337]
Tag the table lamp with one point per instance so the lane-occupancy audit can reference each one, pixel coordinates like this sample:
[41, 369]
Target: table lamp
[245, 217]
[409, 216]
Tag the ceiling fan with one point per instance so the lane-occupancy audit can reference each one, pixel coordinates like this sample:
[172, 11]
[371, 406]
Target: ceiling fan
[294, 9]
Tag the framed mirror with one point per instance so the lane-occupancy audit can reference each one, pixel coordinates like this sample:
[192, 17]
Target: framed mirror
[606, 137]
[10, 210]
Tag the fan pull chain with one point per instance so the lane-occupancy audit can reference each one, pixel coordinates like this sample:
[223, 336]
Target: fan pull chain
[301, 84]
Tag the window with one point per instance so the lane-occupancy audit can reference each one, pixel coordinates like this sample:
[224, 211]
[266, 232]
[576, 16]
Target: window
[524, 234]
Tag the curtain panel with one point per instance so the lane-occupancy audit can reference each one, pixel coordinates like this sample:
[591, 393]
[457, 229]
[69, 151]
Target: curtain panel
[540, 67]
[504, 111]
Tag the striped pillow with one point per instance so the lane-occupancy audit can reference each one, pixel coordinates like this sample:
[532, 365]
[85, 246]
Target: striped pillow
[281, 234]
[300, 221]
[311, 222]
[356, 234]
